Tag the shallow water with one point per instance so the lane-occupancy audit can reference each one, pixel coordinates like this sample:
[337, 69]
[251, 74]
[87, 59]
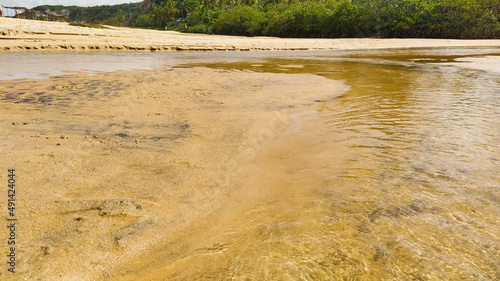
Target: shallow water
[397, 178]
[44, 65]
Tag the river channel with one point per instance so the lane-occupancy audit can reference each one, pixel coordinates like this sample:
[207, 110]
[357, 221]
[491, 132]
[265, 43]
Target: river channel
[397, 177]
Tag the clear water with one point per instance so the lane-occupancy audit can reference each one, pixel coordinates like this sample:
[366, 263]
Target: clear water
[398, 178]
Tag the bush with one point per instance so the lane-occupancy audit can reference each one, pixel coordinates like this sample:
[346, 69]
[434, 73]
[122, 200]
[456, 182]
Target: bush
[347, 20]
[299, 20]
[144, 20]
[241, 20]
[199, 28]
[434, 19]
[194, 18]
[462, 19]
[319, 19]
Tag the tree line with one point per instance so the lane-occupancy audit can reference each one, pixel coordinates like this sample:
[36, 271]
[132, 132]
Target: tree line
[469, 19]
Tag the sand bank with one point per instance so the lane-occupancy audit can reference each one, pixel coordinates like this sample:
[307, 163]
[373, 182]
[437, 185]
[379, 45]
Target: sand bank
[29, 35]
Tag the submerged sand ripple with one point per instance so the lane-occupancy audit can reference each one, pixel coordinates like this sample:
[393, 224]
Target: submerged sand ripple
[109, 166]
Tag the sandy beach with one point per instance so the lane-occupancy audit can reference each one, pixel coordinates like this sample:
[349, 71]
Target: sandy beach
[31, 35]
[113, 169]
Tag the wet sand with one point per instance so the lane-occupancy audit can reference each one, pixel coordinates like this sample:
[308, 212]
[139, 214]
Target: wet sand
[111, 165]
[386, 182]
[31, 35]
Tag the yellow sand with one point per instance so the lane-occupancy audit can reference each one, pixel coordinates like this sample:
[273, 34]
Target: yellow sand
[20, 34]
[109, 166]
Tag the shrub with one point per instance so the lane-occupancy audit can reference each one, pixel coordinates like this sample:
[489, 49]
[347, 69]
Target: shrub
[199, 28]
[241, 20]
[144, 20]
[319, 19]
[434, 18]
[299, 20]
[346, 19]
[194, 18]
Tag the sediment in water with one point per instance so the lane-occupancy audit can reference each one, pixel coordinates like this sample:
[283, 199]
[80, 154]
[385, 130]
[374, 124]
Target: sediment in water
[112, 165]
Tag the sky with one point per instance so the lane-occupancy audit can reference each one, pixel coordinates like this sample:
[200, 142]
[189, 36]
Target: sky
[34, 3]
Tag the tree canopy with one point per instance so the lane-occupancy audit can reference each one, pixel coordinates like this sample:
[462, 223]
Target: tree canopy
[293, 18]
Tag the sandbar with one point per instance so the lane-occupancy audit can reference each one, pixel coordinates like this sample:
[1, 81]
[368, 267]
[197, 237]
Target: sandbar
[33, 35]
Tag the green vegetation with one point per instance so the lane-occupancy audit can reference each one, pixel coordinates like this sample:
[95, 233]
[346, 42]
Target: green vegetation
[91, 25]
[117, 15]
[314, 19]
[241, 20]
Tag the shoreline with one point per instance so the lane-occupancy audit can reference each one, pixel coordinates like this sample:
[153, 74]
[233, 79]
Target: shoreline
[20, 35]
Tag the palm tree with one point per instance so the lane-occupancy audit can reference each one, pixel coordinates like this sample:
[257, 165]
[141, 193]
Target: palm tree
[164, 12]
[145, 5]
[185, 6]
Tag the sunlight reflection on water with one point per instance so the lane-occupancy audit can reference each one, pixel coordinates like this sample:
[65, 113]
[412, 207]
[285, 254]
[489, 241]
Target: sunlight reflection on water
[398, 178]
[395, 179]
